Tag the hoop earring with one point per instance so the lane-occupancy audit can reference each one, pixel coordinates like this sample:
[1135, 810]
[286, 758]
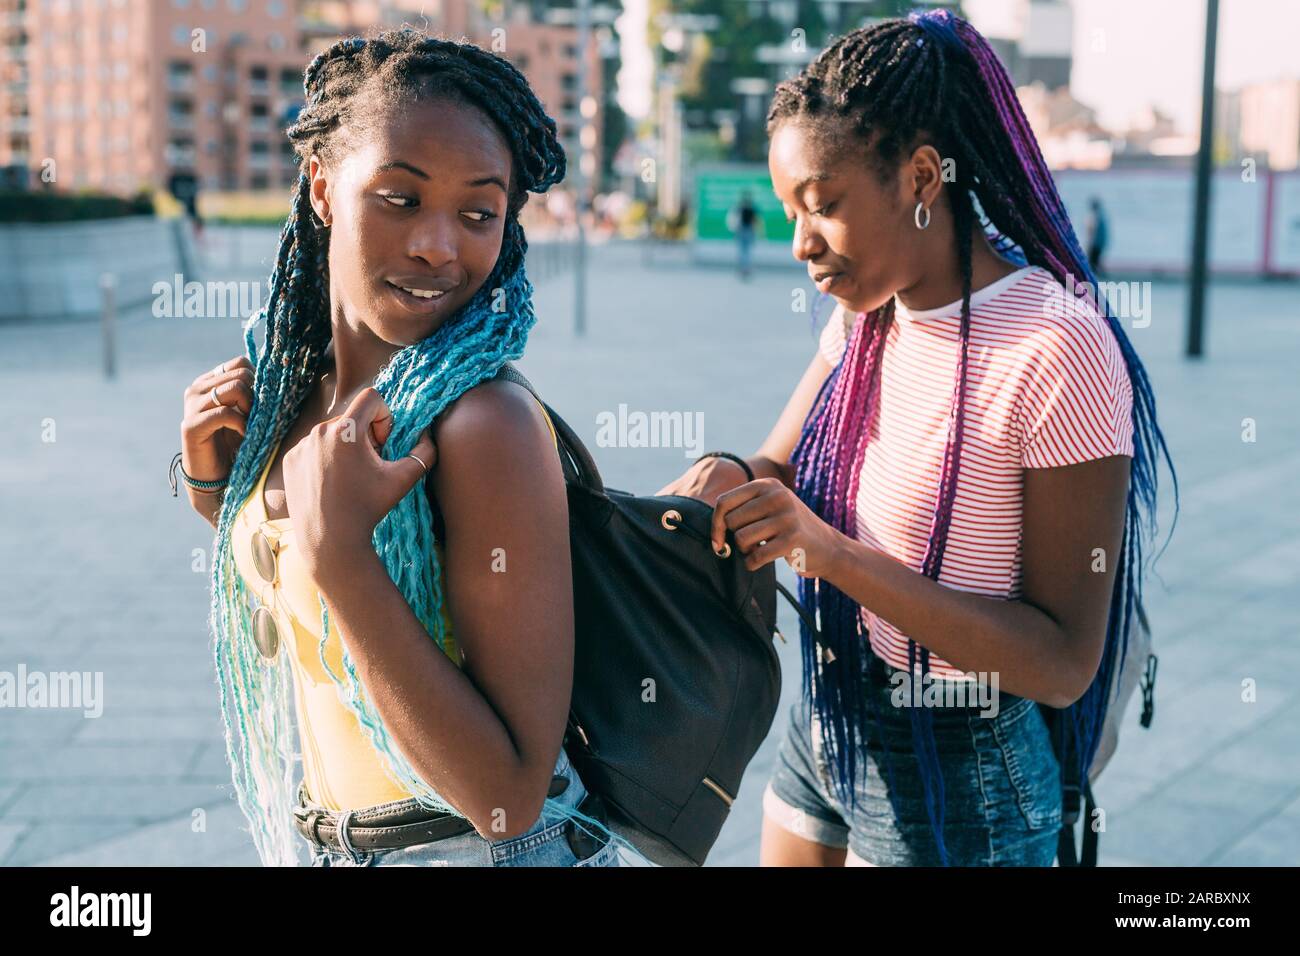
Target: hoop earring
[916, 216]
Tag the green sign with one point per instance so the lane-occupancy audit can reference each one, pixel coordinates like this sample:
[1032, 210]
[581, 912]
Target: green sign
[718, 193]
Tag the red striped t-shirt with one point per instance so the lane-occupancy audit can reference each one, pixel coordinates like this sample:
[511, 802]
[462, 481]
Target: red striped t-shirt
[1046, 387]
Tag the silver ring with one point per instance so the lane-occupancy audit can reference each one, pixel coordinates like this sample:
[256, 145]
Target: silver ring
[420, 460]
[216, 402]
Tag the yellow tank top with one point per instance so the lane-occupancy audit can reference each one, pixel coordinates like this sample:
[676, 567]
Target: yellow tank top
[341, 769]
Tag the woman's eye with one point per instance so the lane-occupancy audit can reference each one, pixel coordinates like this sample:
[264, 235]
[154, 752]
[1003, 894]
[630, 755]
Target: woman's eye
[397, 199]
[824, 210]
[479, 215]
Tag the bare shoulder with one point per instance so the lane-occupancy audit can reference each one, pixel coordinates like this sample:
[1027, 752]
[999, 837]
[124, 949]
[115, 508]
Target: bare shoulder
[496, 422]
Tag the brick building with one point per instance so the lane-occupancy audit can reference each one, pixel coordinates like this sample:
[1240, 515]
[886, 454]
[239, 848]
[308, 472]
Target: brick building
[119, 95]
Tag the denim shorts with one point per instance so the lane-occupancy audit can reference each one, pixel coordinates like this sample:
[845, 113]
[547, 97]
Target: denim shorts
[545, 843]
[1001, 785]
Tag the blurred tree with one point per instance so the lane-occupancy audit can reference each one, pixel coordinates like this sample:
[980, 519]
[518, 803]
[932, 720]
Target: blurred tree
[756, 40]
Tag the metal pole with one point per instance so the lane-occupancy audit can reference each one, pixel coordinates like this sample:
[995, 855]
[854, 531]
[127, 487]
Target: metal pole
[107, 283]
[1201, 225]
[580, 181]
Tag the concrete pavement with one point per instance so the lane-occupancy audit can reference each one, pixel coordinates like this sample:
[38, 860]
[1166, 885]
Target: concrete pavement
[100, 561]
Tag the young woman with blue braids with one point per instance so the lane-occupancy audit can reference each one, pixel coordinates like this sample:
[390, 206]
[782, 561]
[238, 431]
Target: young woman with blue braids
[428, 652]
[965, 477]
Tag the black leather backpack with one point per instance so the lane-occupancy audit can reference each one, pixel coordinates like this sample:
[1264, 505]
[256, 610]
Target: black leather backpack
[676, 680]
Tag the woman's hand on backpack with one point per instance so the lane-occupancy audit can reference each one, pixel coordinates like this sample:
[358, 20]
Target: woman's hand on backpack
[212, 428]
[769, 522]
[338, 487]
[706, 480]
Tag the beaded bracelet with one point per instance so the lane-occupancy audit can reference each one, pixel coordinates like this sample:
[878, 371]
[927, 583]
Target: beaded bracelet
[749, 472]
[203, 487]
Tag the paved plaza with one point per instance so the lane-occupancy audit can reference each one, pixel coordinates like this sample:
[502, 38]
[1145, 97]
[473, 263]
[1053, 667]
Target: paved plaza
[98, 558]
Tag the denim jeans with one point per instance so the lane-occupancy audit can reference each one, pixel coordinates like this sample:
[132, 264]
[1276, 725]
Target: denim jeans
[1001, 785]
[545, 843]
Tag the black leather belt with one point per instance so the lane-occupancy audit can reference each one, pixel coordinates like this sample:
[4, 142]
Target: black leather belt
[391, 829]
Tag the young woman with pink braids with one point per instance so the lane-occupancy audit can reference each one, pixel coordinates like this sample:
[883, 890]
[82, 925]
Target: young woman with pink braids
[965, 477]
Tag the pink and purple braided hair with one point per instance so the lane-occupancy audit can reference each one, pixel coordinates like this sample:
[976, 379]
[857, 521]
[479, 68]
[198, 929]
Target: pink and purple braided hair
[933, 78]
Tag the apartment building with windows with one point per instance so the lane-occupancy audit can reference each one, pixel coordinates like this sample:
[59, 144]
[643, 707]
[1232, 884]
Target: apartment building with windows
[119, 95]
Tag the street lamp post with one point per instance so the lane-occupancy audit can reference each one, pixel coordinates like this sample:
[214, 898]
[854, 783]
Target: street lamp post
[1201, 226]
[580, 182]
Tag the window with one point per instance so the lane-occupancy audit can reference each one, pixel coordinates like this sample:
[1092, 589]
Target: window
[259, 118]
[180, 112]
[180, 152]
[180, 76]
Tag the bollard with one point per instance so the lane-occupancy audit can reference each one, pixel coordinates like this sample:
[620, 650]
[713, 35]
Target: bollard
[107, 284]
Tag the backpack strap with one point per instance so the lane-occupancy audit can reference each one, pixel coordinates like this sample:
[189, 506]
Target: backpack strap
[1090, 837]
[578, 465]
[1066, 854]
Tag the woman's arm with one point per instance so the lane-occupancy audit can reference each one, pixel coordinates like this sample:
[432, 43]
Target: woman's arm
[772, 460]
[1046, 645]
[485, 736]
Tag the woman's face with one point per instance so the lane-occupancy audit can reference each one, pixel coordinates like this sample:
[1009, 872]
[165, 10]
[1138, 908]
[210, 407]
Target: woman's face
[855, 233]
[417, 211]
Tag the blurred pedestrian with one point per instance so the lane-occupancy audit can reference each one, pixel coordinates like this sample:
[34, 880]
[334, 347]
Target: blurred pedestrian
[1097, 230]
[745, 225]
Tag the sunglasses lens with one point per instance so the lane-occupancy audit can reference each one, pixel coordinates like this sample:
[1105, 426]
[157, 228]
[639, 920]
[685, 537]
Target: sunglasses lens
[265, 634]
[264, 557]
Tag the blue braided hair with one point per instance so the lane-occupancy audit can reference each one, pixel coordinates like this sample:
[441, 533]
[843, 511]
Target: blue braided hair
[931, 77]
[417, 383]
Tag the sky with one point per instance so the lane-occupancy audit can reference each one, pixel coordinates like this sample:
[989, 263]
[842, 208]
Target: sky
[1128, 54]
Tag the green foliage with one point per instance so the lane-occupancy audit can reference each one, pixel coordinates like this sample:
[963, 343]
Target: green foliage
[18, 206]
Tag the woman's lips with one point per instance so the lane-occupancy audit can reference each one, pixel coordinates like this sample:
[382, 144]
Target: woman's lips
[423, 304]
[828, 281]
